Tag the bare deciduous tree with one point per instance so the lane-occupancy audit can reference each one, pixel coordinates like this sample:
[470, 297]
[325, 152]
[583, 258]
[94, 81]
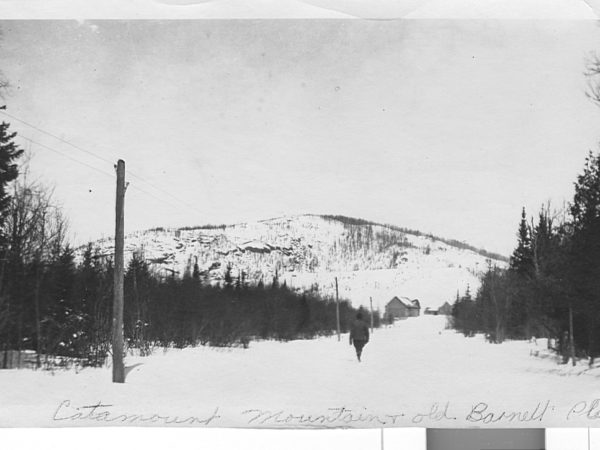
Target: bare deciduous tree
[592, 72]
[36, 230]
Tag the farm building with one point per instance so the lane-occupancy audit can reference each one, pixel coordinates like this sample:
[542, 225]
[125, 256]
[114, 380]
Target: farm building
[430, 312]
[445, 309]
[401, 307]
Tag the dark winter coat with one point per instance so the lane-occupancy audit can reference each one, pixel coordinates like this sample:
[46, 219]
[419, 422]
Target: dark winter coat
[359, 331]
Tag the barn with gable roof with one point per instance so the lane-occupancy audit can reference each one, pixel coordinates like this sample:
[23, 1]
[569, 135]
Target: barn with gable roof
[402, 307]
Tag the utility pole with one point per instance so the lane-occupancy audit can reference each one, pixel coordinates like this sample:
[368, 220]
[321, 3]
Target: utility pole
[371, 303]
[118, 372]
[337, 309]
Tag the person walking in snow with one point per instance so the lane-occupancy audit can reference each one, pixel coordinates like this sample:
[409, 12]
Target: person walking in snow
[359, 334]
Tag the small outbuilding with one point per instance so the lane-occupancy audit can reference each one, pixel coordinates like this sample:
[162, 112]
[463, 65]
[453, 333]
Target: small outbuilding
[445, 309]
[402, 307]
[430, 312]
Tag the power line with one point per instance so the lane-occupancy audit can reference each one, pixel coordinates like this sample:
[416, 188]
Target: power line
[91, 167]
[57, 137]
[77, 147]
[66, 156]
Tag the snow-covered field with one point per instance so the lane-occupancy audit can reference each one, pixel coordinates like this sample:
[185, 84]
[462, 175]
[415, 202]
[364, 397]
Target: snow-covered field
[415, 373]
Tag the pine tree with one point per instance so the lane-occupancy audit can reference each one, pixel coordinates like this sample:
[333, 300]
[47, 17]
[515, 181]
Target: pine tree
[275, 283]
[517, 306]
[87, 287]
[196, 272]
[584, 259]
[66, 319]
[540, 241]
[228, 278]
[137, 284]
[521, 260]
[585, 208]
[9, 153]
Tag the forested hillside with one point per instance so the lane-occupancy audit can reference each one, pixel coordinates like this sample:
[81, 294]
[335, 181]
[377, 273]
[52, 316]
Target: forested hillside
[308, 252]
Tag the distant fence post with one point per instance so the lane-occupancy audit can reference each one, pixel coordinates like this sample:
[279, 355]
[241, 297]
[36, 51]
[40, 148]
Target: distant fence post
[371, 303]
[337, 308]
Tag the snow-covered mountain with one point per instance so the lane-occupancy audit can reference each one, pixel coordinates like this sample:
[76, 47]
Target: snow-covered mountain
[309, 251]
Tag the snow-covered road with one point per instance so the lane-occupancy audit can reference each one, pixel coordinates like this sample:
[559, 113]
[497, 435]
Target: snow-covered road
[413, 374]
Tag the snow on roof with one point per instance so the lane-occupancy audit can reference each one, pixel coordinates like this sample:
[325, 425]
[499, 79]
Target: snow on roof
[406, 302]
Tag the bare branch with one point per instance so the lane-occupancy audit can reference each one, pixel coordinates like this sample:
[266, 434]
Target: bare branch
[592, 73]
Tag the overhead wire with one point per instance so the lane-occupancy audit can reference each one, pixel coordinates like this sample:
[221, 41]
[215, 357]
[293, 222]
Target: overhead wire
[91, 167]
[95, 155]
[64, 155]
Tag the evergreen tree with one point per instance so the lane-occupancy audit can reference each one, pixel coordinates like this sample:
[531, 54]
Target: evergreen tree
[521, 260]
[585, 208]
[584, 255]
[63, 268]
[518, 304]
[66, 318]
[549, 290]
[196, 272]
[275, 283]
[304, 314]
[87, 287]
[541, 242]
[228, 278]
[464, 314]
[9, 153]
[137, 287]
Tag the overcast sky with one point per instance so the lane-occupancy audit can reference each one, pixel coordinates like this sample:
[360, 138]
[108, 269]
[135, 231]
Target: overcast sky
[448, 127]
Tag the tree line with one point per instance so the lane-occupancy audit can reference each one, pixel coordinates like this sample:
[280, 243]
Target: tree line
[551, 287]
